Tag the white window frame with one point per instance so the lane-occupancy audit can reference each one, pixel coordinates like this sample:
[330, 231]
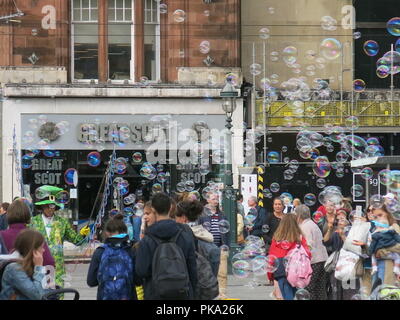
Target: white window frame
[158, 39]
[73, 23]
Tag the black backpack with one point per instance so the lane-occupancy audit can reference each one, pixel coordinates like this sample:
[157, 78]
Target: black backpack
[207, 285]
[170, 277]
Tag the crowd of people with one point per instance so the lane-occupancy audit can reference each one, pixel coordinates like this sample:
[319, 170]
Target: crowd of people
[175, 248]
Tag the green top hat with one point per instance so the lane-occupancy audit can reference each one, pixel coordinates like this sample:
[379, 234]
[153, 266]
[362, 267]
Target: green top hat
[52, 191]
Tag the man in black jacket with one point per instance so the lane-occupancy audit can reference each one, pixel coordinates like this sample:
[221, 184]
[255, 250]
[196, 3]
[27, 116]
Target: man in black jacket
[164, 229]
[261, 219]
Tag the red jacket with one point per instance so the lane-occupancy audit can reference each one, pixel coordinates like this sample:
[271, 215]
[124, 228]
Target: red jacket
[280, 250]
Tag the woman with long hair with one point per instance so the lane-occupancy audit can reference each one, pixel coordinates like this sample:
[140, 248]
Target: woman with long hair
[286, 237]
[24, 278]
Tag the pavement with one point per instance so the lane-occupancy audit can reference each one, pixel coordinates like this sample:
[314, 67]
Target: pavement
[77, 265]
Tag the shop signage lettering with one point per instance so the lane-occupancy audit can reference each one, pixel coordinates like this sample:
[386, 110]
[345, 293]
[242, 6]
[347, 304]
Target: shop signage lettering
[195, 177]
[49, 178]
[122, 132]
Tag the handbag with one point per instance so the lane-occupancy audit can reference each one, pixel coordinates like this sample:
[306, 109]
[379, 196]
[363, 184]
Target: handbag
[331, 262]
[359, 268]
[346, 265]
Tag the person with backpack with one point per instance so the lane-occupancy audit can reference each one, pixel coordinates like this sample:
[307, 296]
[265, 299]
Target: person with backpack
[313, 235]
[22, 275]
[166, 258]
[288, 242]
[112, 264]
[207, 253]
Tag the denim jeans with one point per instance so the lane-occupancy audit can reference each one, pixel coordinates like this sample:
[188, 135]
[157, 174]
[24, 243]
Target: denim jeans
[287, 290]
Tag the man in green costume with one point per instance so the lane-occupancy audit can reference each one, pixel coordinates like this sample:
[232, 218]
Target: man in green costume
[55, 229]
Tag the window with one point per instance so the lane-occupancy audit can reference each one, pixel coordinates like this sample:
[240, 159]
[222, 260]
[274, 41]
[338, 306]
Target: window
[151, 39]
[85, 39]
[119, 39]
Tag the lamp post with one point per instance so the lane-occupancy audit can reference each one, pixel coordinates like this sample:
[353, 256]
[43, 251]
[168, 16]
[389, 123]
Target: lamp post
[229, 95]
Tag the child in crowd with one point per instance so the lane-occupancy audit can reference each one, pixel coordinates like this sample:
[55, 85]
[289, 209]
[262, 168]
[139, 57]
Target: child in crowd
[112, 265]
[384, 237]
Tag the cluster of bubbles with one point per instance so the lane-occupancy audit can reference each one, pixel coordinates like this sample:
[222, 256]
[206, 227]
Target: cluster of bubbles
[121, 185]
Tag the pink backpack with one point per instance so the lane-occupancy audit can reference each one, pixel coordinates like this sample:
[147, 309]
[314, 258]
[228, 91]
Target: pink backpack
[298, 268]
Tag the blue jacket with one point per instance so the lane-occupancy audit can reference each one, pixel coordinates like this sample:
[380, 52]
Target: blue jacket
[92, 280]
[383, 240]
[225, 237]
[136, 223]
[16, 281]
[260, 220]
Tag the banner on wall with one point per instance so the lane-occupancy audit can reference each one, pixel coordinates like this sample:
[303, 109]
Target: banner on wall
[248, 188]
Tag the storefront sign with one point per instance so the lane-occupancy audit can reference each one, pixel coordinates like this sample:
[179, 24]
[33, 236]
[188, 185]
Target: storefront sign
[52, 174]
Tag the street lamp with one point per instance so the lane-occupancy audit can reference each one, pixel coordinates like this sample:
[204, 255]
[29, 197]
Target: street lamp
[229, 95]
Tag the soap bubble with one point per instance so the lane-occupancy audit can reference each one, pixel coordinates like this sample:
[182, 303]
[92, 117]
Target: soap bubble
[255, 69]
[302, 294]
[137, 157]
[376, 201]
[241, 269]
[264, 33]
[357, 190]
[71, 176]
[180, 187]
[352, 122]
[384, 177]
[130, 199]
[249, 219]
[156, 188]
[322, 167]
[328, 23]
[356, 35]
[382, 71]
[94, 159]
[259, 265]
[62, 197]
[179, 15]
[26, 162]
[275, 187]
[267, 193]
[321, 183]
[341, 157]
[317, 217]
[33, 123]
[224, 226]
[162, 177]
[367, 173]
[330, 48]
[148, 172]
[163, 8]
[393, 26]
[272, 263]
[123, 187]
[310, 199]
[273, 157]
[359, 85]
[289, 55]
[204, 47]
[189, 185]
[371, 48]
[394, 184]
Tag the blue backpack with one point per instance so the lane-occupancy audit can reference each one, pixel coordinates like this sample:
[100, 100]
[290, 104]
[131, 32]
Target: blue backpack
[115, 275]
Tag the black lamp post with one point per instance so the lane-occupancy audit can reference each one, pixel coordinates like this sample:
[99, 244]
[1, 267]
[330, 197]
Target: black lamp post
[229, 95]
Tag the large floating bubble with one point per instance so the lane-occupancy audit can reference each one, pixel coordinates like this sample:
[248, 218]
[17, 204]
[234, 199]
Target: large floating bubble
[359, 85]
[371, 48]
[71, 176]
[273, 157]
[322, 167]
[393, 26]
[94, 159]
[330, 48]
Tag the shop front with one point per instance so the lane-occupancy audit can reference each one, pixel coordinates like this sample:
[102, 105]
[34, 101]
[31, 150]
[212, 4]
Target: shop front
[69, 143]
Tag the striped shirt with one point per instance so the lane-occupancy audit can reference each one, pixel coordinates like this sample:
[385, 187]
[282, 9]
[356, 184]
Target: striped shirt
[215, 229]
